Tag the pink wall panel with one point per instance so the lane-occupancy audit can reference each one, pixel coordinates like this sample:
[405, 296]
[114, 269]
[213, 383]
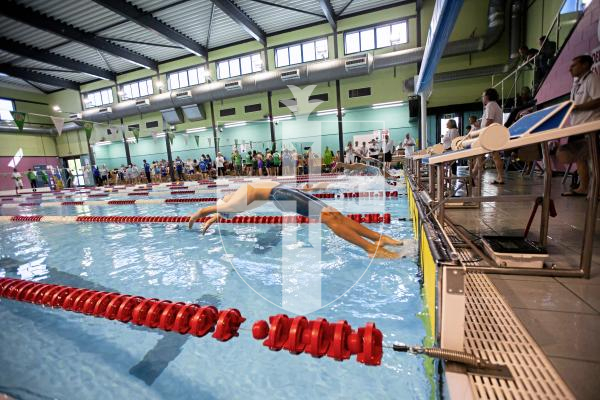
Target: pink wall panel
[585, 39]
[6, 181]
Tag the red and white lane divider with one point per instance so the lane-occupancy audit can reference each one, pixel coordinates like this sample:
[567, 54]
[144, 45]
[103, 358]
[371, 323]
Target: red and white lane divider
[345, 195]
[317, 337]
[183, 219]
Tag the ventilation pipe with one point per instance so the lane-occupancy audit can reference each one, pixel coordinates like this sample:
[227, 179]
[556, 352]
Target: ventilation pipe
[351, 66]
[71, 126]
[515, 43]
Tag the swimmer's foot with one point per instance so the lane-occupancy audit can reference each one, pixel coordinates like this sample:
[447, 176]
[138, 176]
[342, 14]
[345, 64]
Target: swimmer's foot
[382, 252]
[388, 241]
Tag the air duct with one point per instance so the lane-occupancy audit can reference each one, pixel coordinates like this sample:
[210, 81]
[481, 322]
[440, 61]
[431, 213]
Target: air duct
[515, 43]
[71, 126]
[323, 71]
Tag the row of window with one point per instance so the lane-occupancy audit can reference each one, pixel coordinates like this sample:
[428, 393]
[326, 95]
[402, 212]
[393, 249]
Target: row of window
[376, 37]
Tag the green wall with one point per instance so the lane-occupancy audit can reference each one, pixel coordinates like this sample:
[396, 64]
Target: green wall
[386, 85]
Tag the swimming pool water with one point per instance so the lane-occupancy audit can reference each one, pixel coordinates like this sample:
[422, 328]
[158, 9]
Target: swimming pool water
[46, 353]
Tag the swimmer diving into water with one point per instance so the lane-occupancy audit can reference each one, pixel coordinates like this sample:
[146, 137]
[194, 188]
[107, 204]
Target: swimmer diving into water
[288, 199]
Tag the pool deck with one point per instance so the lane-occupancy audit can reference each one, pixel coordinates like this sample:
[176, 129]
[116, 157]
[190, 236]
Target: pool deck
[561, 314]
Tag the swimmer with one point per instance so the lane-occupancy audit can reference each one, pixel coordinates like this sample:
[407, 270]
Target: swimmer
[288, 199]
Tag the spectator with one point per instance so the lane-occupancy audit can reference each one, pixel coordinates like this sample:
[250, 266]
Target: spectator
[451, 134]
[16, 175]
[492, 113]
[387, 146]
[474, 123]
[32, 179]
[408, 144]
[585, 94]
[147, 171]
[546, 54]
[523, 54]
[220, 161]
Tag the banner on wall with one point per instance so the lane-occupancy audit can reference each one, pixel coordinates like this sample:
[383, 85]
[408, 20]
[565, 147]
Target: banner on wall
[186, 138]
[208, 142]
[19, 118]
[197, 138]
[154, 136]
[59, 123]
[88, 127]
[171, 137]
[136, 133]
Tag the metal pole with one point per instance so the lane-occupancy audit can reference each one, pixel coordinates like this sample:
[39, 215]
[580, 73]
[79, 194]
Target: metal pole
[592, 206]
[126, 144]
[440, 192]
[545, 217]
[167, 130]
[423, 121]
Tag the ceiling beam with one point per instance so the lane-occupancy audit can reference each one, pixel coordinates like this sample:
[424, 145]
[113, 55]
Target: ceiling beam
[233, 12]
[28, 75]
[148, 21]
[53, 59]
[38, 20]
[329, 13]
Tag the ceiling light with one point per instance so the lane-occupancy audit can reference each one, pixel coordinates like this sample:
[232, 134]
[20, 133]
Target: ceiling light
[56, 108]
[235, 124]
[194, 130]
[388, 104]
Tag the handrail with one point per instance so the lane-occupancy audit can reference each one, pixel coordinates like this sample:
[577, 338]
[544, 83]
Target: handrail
[531, 60]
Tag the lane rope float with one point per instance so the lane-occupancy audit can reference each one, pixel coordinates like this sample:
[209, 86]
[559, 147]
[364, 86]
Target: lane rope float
[143, 219]
[298, 335]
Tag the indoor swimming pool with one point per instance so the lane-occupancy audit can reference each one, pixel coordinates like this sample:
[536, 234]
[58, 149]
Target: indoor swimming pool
[49, 353]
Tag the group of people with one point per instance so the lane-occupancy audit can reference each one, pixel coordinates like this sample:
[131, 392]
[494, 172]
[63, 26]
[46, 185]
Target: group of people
[377, 153]
[585, 94]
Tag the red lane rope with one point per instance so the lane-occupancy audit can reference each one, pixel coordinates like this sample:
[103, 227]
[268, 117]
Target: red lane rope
[319, 338]
[26, 218]
[72, 203]
[245, 219]
[193, 200]
[298, 335]
[180, 317]
[121, 202]
[183, 192]
[138, 193]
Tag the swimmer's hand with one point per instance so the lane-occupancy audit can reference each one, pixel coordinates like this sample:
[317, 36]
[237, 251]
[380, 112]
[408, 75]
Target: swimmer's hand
[211, 220]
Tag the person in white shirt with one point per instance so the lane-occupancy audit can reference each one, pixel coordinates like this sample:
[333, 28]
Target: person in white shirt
[451, 134]
[16, 175]
[585, 94]
[373, 151]
[220, 161]
[362, 151]
[492, 113]
[409, 145]
[349, 153]
[388, 147]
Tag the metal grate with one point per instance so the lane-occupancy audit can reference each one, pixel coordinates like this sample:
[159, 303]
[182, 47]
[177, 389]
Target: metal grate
[493, 332]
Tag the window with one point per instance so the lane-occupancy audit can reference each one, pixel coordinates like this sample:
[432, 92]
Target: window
[376, 37]
[98, 98]
[189, 77]
[301, 53]
[239, 66]
[133, 90]
[6, 106]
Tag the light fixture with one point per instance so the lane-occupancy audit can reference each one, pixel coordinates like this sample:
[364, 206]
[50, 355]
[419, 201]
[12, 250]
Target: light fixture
[56, 108]
[234, 124]
[388, 104]
[328, 112]
[160, 134]
[131, 140]
[194, 130]
[282, 118]
[103, 143]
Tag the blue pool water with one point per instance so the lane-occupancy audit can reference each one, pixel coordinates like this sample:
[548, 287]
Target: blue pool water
[47, 353]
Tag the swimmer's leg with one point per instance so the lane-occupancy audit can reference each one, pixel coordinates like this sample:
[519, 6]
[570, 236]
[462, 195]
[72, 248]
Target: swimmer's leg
[338, 223]
[364, 231]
